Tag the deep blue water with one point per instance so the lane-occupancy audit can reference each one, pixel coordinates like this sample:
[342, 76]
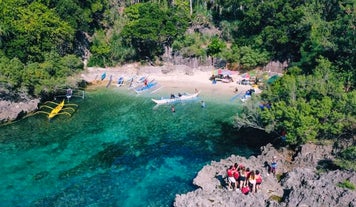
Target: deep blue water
[116, 150]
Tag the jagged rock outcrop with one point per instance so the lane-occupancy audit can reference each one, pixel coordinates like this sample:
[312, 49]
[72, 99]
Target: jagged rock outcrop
[308, 188]
[301, 184]
[11, 110]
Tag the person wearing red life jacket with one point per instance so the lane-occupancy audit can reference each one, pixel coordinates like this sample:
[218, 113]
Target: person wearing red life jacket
[230, 176]
[236, 176]
[258, 180]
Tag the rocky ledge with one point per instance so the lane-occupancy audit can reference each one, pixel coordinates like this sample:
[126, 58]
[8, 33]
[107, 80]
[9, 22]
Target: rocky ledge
[297, 181]
[15, 106]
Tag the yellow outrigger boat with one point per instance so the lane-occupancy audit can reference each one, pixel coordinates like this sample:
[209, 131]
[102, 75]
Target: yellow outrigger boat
[61, 108]
[56, 110]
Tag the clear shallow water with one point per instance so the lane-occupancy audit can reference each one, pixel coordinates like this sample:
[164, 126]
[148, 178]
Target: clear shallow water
[116, 150]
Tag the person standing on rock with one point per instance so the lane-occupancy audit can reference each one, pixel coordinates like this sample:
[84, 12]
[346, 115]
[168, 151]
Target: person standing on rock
[274, 165]
[242, 177]
[252, 181]
[236, 175]
[230, 177]
[258, 180]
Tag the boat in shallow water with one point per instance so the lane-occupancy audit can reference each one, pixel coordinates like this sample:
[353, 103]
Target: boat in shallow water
[172, 99]
[146, 86]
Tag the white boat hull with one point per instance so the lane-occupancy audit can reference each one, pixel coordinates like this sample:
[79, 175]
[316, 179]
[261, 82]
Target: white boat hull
[176, 99]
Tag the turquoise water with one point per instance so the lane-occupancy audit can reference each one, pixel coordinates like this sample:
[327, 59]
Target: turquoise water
[116, 150]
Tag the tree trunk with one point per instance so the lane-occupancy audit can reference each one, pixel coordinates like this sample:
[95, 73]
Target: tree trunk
[191, 7]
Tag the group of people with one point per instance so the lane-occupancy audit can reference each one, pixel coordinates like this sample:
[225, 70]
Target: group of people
[242, 178]
[246, 180]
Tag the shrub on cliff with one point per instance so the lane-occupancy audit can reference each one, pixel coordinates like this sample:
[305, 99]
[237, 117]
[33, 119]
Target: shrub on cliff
[347, 158]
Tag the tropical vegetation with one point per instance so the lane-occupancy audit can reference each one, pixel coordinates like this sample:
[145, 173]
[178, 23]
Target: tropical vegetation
[44, 42]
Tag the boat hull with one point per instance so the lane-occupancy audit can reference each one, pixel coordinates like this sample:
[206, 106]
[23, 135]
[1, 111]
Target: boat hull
[176, 99]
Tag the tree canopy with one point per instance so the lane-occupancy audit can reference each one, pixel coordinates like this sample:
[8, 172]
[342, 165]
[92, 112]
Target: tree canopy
[150, 28]
[42, 42]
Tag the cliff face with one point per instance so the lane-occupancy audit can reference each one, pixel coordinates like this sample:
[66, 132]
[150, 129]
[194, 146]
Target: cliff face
[300, 184]
[14, 105]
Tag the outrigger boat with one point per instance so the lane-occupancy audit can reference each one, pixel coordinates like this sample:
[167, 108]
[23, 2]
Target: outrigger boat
[61, 108]
[120, 81]
[174, 98]
[103, 76]
[146, 87]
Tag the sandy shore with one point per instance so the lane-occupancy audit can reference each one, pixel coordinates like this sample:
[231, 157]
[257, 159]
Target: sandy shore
[171, 79]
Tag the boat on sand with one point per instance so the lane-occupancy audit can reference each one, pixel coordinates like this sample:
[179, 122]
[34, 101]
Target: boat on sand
[147, 86]
[120, 81]
[174, 98]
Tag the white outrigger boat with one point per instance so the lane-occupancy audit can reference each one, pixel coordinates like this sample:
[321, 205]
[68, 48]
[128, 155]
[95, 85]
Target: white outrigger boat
[174, 98]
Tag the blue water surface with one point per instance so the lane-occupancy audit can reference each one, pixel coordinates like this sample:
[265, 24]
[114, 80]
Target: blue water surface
[116, 150]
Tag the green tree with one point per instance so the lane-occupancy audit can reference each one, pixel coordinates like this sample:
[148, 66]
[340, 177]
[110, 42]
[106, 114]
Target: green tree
[11, 71]
[215, 47]
[101, 49]
[308, 107]
[346, 158]
[150, 28]
[35, 29]
[191, 45]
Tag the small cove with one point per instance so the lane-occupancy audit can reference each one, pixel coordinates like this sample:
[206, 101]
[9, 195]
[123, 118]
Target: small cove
[116, 150]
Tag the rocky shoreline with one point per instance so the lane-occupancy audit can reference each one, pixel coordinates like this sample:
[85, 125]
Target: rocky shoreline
[298, 181]
[14, 106]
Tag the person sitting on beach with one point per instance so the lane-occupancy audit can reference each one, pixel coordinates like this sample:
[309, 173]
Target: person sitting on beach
[179, 95]
[173, 96]
[230, 178]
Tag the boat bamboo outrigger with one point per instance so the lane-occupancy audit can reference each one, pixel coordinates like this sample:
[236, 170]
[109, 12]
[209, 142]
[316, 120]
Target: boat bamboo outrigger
[60, 108]
[69, 93]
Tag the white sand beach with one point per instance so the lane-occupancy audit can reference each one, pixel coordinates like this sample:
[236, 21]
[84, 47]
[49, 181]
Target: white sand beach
[171, 79]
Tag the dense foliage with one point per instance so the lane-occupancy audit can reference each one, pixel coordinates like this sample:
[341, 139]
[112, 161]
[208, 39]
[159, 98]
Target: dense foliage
[347, 158]
[41, 43]
[38, 45]
[315, 99]
[309, 107]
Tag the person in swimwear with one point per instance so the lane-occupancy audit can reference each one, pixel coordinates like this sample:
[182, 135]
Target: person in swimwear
[242, 177]
[258, 180]
[274, 165]
[230, 177]
[252, 181]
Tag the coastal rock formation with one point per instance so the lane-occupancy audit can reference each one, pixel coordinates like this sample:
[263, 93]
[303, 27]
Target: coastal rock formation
[300, 184]
[12, 110]
[305, 187]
